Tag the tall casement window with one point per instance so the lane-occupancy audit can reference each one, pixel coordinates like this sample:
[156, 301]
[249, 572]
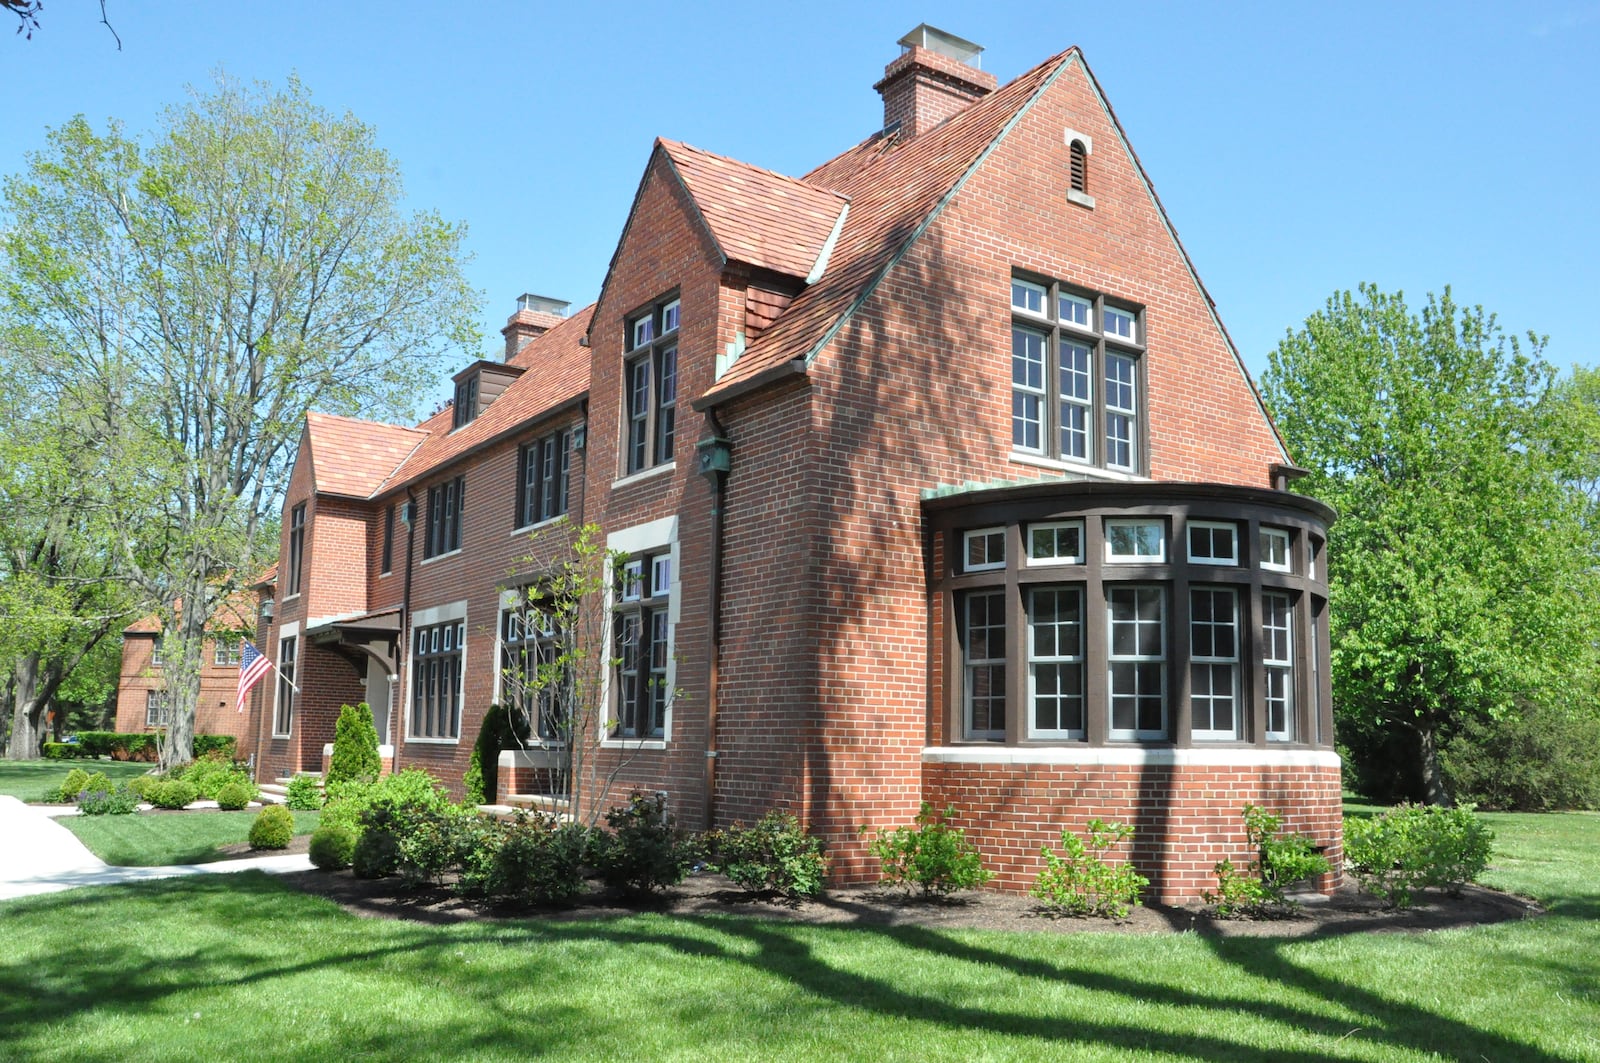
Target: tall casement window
[1137, 630]
[1097, 612]
[465, 409]
[158, 653]
[155, 708]
[1076, 390]
[297, 547]
[388, 542]
[533, 676]
[650, 386]
[283, 713]
[983, 626]
[542, 473]
[1214, 662]
[643, 639]
[437, 651]
[444, 517]
[1277, 663]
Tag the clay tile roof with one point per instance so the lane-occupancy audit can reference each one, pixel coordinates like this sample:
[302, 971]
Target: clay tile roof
[350, 457]
[894, 188]
[756, 216]
[558, 372]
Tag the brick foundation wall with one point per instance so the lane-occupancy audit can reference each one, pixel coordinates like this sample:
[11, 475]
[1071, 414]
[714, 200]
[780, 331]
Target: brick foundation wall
[1186, 817]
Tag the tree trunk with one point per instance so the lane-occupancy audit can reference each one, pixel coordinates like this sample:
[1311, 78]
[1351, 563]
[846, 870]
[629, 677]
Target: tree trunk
[1433, 788]
[182, 671]
[27, 710]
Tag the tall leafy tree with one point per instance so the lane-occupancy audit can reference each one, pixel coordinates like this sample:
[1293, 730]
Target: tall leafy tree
[1460, 568]
[197, 290]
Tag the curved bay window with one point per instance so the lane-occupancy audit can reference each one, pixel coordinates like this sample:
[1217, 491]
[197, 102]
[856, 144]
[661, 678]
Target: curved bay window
[1099, 613]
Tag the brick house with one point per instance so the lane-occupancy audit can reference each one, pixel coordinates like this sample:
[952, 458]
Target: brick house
[937, 476]
[142, 682]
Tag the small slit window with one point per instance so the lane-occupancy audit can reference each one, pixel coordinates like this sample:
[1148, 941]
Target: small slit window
[1079, 166]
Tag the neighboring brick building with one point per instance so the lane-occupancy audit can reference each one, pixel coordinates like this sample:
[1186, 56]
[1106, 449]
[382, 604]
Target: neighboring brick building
[938, 479]
[142, 686]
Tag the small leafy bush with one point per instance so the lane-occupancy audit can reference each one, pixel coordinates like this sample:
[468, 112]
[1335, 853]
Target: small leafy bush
[347, 801]
[208, 774]
[376, 854]
[355, 747]
[272, 829]
[931, 855]
[141, 784]
[532, 860]
[1281, 861]
[303, 794]
[1080, 882]
[774, 856]
[171, 793]
[227, 745]
[70, 787]
[118, 802]
[642, 851]
[432, 842]
[332, 847]
[1413, 847]
[235, 795]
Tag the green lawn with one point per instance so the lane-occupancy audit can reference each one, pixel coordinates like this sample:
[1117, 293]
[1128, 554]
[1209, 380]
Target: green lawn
[239, 967]
[150, 840]
[29, 779]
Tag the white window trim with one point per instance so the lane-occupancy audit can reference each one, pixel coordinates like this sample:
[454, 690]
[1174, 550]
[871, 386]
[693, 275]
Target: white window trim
[644, 474]
[987, 566]
[1287, 734]
[639, 539]
[290, 630]
[436, 614]
[1212, 525]
[1113, 558]
[1288, 550]
[1041, 314]
[1053, 525]
[1212, 734]
[1081, 470]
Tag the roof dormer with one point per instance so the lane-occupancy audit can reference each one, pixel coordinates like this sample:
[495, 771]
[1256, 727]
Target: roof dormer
[478, 385]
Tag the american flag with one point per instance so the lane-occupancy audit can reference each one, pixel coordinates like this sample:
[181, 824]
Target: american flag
[253, 664]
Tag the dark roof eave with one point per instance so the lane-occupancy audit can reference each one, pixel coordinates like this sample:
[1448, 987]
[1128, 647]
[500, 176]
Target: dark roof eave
[1133, 493]
[795, 367]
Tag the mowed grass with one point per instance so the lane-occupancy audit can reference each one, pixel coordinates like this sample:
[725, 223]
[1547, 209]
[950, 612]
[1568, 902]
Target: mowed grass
[147, 839]
[240, 967]
[27, 780]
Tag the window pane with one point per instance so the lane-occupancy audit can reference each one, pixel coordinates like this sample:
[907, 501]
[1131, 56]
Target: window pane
[1027, 359]
[1025, 295]
[1075, 310]
[1140, 540]
[1121, 323]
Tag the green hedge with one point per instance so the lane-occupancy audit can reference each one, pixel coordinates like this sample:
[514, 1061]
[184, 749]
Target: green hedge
[140, 746]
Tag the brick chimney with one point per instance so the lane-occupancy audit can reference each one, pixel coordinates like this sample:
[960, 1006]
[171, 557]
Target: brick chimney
[535, 316]
[935, 76]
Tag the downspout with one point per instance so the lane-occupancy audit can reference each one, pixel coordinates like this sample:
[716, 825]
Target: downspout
[397, 734]
[716, 456]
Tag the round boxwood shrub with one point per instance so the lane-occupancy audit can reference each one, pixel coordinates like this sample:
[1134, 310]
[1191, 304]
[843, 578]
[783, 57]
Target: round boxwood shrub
[233, 796]
[332, 847]
[376, 854]
[272, 829]
[303, 794]
[71, 786]
[141, 784]
[172, 793]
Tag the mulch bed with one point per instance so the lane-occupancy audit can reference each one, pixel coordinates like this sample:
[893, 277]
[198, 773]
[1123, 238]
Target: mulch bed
[707, 894]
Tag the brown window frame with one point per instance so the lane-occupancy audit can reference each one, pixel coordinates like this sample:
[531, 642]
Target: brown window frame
[283, 709]
[437, 681]
[544, 478]
[642, 694]
[650, 385]
[297, 549]
[446, 503]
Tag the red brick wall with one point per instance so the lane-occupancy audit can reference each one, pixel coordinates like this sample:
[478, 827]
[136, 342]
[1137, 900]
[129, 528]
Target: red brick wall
[1185, 819]
[214, 709]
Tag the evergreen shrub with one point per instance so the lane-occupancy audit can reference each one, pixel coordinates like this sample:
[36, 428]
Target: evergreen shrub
[272, 829]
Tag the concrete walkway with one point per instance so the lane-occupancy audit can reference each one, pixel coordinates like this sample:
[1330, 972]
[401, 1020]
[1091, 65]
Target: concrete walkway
[39, 855]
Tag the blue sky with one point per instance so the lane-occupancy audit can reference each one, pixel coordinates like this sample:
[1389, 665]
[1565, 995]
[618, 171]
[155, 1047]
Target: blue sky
[1299, 149]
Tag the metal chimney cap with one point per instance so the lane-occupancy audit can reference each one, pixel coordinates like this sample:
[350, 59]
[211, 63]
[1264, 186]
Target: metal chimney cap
[937, 40]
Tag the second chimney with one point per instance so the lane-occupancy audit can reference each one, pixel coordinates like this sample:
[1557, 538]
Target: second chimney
[535, 316]
[935, 76]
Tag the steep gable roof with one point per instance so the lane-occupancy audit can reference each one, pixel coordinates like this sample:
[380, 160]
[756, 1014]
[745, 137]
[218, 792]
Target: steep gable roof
[352, 458]
[558, 373]
[895, 190]
[756, 216]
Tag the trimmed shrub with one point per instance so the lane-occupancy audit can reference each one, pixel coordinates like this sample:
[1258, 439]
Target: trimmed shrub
[210, 774]
[235, 795]
[355, 747]
[141, 784]
[346, 802]
[303, 794]
[774, 856]
[534, 859]
[1544, 759]
[642, 852]
[1080, 882]
[435, 842]
[226, 745]
[931, 855]
[376, 854]
[272, 829]
[118, 802]
[332, 846]
[97, 780]
[172, 793]
[1412, 848]
[140, 746]
[70, 787]
[62, 751]
[482, 785]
